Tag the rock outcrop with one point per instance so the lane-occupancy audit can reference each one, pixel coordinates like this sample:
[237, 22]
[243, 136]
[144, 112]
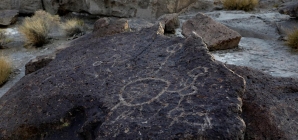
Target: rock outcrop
[8, 17]
[290, 8]
[23, 6]
[107, 26]
[270, 105]
[136, 85]
[150, 9]
[216, 35]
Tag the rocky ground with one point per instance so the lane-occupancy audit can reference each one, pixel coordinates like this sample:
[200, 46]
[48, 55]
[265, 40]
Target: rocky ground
[143, 85]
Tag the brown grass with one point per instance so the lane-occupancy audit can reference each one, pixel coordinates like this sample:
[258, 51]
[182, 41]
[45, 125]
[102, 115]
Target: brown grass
[73, 26]
[245, 5]
[3, 38]
[293, 39]
[36, 28]
[5, 70]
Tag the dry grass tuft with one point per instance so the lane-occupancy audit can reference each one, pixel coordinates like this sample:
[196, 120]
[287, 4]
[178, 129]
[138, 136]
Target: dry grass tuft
[245, 5]
[3, 38]
[36, 28]
[293, 39]
[73, 26]
[5, 70]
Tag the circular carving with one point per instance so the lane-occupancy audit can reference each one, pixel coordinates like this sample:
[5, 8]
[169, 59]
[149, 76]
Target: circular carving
[143, 91]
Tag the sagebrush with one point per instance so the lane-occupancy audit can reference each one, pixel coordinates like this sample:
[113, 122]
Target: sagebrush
[5, 69]
[292, 39]
[73, 26]
[245, 5]
[36, 28]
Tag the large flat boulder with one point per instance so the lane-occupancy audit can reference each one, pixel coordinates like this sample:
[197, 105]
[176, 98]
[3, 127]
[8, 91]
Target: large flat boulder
[8, 17]
[289, 8]
[270, 105]
[136, 85]
[216, 35]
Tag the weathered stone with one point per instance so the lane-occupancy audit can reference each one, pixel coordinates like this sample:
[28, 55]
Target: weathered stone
[287, 26]
[106, 26]
[136, 85]
[149, 9]
[38, 63]
[8, 17]
[24, 6]
[289, 8]
[216, 35]
[170, 22]
[270, 108]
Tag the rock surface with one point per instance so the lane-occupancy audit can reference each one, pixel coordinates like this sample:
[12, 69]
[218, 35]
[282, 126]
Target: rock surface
[286, 27]
[170, 22]
[24, 6]
[290, 8]
[270, 105]
[107, 26]
[216, 35]
[38, 63]
[260, 26]
[8, 17]
[150, 9]
[132, 86]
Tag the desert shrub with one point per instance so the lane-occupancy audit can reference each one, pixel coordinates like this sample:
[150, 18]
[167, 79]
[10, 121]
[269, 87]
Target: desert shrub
[5, 69]
[36, 28]
[73, 26]
[3, 38]
[292, 39]
[245, 5]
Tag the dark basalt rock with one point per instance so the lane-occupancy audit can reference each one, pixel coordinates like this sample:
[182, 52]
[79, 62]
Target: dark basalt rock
[138, 85]
[270, 105]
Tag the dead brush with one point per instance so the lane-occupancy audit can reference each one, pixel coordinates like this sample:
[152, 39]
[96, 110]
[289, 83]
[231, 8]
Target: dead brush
[36, 28]
[73, 27]
[5, 69]
[246, 5]
[292, 39]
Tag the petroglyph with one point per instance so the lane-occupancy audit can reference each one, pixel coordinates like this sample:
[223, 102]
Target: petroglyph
[146, 86]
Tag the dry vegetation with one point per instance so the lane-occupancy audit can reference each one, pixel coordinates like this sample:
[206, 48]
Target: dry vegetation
[3, 38]
[245, 5]
[293, 39]
[5, 69]
[73, 26]
[36, 28]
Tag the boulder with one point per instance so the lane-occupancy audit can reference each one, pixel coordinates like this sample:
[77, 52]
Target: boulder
[270, 105]
[289, 8]
[216, 35]
[106, 26]
[170, 22]
[135, 85]
[38, 63]
[24, 6]
[8, 17]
